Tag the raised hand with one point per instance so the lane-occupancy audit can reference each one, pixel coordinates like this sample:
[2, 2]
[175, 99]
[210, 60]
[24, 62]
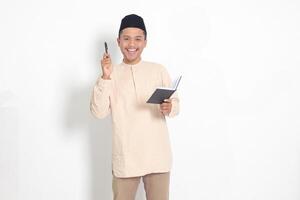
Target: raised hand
[106, 66]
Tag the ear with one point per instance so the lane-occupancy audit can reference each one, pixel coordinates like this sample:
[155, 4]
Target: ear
[145, 42]
[118, 41]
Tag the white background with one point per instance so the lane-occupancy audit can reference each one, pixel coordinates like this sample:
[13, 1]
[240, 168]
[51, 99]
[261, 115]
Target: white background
[238, 133]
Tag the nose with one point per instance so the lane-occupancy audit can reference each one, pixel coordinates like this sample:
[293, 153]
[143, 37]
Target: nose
[131, 43]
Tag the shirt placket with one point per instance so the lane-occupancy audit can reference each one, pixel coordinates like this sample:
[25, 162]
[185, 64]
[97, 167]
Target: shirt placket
[134, 82]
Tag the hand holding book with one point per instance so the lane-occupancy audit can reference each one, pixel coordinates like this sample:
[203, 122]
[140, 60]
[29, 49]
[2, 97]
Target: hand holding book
[166, 107]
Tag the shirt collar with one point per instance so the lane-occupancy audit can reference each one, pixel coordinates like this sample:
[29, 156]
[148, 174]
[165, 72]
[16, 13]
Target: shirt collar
[130, 65]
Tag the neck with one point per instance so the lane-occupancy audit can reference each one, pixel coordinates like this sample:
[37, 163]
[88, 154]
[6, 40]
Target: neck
[133, 62]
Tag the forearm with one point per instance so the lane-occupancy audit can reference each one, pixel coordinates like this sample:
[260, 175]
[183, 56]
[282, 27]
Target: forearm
[100, 99]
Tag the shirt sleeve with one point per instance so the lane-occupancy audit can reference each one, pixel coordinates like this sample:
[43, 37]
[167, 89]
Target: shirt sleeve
[167, 82]
[100, 99]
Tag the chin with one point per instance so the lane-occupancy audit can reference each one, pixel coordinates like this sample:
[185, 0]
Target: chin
[131, 59]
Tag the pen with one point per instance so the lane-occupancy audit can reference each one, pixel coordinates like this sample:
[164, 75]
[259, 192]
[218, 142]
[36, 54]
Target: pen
[106, 48]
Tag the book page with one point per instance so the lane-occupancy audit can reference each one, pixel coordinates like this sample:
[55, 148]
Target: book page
[174, 84]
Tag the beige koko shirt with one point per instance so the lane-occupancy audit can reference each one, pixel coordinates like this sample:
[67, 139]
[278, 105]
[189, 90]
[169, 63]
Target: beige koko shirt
[140, 137]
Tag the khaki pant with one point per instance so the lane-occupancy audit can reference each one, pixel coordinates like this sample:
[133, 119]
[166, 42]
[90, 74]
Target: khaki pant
[156, 186]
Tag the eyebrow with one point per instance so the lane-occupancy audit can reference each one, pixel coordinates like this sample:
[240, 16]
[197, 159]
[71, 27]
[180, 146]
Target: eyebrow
[138, 36]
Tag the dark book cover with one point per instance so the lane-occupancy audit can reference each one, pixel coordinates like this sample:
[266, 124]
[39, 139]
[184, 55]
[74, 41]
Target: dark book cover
[161, 93]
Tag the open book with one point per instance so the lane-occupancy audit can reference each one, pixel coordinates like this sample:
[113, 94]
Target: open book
[162, 93]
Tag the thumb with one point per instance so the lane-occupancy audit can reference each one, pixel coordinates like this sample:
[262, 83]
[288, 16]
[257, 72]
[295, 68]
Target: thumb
[106, 55]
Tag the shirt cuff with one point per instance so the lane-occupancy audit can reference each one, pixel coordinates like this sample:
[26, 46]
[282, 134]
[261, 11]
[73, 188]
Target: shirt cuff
[104, 84]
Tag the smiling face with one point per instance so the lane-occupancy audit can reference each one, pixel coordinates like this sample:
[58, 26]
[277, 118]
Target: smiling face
[132, 41]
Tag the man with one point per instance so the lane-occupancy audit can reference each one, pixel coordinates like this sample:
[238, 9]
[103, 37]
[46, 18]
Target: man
[140, 141]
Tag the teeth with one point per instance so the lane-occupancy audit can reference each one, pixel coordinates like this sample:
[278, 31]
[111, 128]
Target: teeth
[131, 50]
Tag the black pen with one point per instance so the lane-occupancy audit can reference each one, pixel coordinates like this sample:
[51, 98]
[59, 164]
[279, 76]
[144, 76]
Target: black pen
[106, 48]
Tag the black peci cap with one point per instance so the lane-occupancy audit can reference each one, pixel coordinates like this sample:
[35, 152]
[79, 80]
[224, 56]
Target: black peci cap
[132, 21]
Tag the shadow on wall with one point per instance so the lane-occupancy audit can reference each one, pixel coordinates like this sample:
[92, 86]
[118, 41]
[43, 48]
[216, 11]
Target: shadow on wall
[9, 137]
[79, 117]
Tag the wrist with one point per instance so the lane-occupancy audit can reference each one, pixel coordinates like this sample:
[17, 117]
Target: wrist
[105, 77]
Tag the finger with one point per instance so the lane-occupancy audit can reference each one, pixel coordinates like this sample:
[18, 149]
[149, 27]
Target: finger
[106, 62]
[106, 59]
[165, 104]
[165, 112]
[165, 108]
[161, 107]
[106, 55]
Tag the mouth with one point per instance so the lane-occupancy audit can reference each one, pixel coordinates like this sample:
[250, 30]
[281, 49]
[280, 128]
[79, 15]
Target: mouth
[132, 51]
